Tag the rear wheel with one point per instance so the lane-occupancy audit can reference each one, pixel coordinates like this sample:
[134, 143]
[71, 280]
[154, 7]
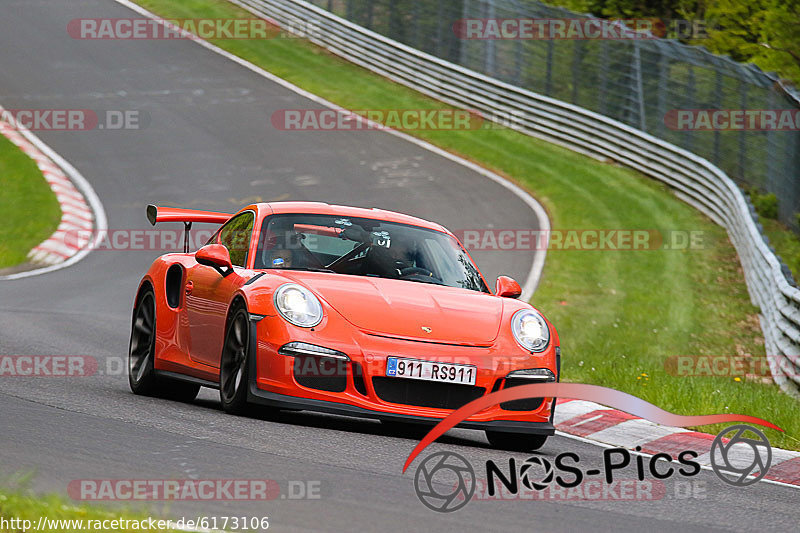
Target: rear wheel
[233, 370]
[142, 377]
[517, 442]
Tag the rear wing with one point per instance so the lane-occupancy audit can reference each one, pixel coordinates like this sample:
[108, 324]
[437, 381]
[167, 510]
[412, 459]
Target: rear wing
[187, 216]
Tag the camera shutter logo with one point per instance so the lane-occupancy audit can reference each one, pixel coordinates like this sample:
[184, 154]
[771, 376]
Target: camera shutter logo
[449, 472]
[526, 473]
[733, 463]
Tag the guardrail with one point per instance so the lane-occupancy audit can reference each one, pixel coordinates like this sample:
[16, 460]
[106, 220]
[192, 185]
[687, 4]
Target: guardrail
[695, 180]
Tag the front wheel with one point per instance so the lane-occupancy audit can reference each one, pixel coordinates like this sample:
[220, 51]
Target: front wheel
[233, 370]
[516, 442]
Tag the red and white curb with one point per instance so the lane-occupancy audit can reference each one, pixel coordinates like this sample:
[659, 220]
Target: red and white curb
[594, 422]
[81, 210]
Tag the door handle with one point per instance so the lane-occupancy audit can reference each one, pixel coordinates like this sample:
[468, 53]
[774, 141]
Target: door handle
[189, 287]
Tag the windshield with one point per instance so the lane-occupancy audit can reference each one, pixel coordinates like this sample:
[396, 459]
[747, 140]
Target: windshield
[365, 247]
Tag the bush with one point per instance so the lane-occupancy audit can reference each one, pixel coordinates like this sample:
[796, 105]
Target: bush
[766, 204]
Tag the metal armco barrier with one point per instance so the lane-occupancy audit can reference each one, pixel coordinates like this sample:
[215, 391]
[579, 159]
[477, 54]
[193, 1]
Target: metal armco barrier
[695, 180]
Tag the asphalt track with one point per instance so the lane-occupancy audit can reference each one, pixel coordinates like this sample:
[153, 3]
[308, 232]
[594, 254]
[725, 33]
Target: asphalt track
[210, 145]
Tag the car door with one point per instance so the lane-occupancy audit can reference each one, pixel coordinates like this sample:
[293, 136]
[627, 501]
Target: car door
[209, 293]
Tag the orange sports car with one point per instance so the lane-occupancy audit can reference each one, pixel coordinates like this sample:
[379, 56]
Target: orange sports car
[359, 312]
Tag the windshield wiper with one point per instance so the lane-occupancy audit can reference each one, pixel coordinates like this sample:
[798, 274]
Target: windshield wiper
[422, 279]
[307, 269]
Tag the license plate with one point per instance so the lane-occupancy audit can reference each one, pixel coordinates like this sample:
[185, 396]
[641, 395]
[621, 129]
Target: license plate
[399, 367]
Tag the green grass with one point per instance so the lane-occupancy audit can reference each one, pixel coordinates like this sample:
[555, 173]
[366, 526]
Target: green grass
[30, 209]
[21, 505]
[619, 314]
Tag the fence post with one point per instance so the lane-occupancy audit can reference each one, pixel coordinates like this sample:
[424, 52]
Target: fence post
[717, 105]
[548, 84]
[488, 62]
[639, 92]
[742, 132]
[663, 87]
[577, 60]
[602, 66]
[689, 135]
[769, 184]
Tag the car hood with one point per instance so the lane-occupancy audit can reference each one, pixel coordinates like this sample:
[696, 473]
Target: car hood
[407, 309]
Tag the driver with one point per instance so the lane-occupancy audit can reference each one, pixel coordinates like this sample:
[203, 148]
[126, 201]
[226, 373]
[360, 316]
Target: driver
[280, 258]
[392, 261]
[402, 253]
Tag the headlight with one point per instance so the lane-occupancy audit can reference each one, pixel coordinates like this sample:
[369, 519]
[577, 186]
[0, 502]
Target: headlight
[298, 305]
[530, 330]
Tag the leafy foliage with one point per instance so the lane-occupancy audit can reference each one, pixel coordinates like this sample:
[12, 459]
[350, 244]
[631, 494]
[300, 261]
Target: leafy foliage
[765, 32]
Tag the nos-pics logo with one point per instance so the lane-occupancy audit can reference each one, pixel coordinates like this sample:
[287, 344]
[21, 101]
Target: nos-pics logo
[740, 455]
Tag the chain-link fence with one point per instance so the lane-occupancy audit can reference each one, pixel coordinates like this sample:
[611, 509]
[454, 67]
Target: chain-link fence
[635, 81]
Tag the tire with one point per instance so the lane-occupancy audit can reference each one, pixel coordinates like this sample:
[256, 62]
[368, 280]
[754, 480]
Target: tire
[515, 442]
[141, 350]
[141, 353]
[234, 372]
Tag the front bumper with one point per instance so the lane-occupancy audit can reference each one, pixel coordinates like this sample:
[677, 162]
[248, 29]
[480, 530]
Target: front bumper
[270, 383]
[283, 401]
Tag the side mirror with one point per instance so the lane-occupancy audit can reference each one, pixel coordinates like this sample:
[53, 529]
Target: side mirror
[507, 287]
[216, 256]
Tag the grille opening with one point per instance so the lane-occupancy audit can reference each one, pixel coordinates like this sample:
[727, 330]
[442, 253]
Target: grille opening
[497, 385]
[425, 393]
[172, 285]
[321, 373]
[358, 379]
[526, 404]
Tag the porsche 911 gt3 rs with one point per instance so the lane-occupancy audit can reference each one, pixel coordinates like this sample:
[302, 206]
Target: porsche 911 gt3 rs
[344, 310]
